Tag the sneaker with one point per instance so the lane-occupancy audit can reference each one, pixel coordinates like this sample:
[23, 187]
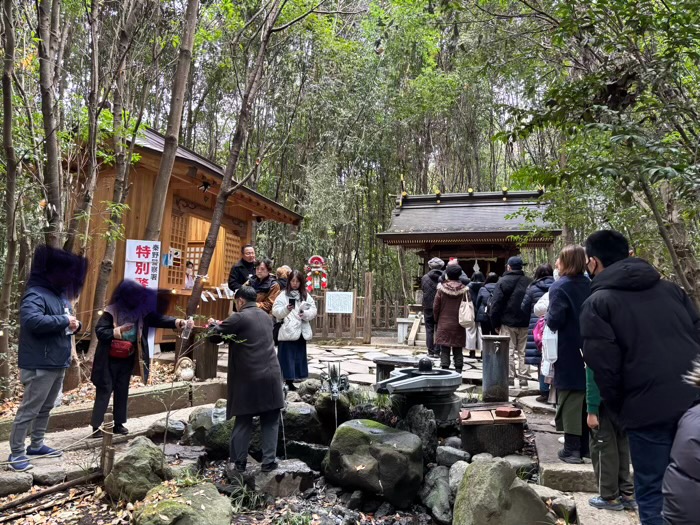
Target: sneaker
[629, 502]
[606, 504]
[573, 458]
[96, 434]
[19, 463]
[121, 430]
[269, 467]
[561, 440]
[542, 399]
[45, 451]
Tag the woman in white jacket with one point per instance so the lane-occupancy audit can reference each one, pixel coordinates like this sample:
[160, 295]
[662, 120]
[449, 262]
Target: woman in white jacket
[294, 307]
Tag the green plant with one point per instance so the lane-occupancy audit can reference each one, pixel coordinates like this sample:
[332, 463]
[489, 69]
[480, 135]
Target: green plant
[244, 499]
[187, 478]
[296, 519]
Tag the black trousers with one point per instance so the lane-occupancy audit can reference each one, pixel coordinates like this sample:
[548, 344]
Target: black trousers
[119, 377]
[429, 329]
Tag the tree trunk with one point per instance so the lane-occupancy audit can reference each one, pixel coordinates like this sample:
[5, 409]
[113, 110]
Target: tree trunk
[167, 161]
[681, 256]
[10, 191]
[47, 16]
[228, 185]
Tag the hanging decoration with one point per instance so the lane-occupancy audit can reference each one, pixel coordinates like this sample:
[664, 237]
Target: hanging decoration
[316, 274]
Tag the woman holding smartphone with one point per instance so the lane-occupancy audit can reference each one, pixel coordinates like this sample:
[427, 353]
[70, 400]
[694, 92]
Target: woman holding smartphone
[294, 307]
[122, 348]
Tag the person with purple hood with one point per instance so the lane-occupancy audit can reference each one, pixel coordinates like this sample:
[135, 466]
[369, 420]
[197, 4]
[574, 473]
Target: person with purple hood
[47, 324]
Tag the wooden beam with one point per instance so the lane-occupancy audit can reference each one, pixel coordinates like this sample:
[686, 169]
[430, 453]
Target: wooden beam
[367, 328]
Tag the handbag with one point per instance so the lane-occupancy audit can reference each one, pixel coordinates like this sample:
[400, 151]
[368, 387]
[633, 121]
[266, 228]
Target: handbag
[120, 349]
[466, 312]
[550, 345]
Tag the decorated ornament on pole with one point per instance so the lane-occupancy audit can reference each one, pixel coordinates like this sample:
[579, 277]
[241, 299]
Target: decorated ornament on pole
[316, 274]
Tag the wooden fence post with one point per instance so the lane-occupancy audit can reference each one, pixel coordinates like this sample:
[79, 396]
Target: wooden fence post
[107, 434]
[325, 315]
[353, 317]
[367, 328]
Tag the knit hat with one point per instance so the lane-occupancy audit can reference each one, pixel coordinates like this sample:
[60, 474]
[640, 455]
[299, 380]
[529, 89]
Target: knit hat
[436, 263]
[453, 272]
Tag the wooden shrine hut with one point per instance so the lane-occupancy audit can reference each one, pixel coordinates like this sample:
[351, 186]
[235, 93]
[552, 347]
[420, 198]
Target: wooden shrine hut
[474, 227]
[189, 206]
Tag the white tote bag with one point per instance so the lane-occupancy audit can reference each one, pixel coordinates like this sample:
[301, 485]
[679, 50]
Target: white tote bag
[467, 316]
[550, 342]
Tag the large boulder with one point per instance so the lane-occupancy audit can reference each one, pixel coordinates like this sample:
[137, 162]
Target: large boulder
[12, 482]
[196, 505]
[421, 422]
[310, 453]
[172, 427]
[289, 478]
[448, 456]
[372, 457]
[310, 387]
[138, 470]
[491, 494]
[301, 423]
[435, 494]
[327, 409]
[198, 424]
[217, 440]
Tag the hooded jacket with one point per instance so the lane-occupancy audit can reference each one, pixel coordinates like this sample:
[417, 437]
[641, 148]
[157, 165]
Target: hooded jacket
[482, 300]
[641, 334]
[448, 299]
[507, 298]
[429, 284]
[533, 294]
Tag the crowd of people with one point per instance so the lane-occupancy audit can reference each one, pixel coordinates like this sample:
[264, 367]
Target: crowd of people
[627, 347]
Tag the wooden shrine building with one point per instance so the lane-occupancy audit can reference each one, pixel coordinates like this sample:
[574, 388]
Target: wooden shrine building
[189, 206]
[474, 227]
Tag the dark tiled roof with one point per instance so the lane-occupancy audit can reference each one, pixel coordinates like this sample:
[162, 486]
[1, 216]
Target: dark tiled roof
[154, 141]
[480, 213]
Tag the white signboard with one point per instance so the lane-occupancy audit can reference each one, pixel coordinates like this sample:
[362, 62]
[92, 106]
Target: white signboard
[143, 266]
[339, 302]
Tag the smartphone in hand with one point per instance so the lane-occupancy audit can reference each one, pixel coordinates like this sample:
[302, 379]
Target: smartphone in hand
[293, 303]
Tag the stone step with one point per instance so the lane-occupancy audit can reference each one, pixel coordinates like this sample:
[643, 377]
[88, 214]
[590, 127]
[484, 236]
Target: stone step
[530, 403]
[558, 475]
[588, 515]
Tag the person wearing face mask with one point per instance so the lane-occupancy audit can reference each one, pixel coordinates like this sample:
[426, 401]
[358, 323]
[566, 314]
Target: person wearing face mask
[294, 308]
[254, 379]
[640, 335]
[265, 285]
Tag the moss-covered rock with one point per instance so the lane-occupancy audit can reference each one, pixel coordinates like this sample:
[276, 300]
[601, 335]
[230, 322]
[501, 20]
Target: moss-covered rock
[137, 471]
[196, 505]
[301, 423]
[372, 457]
[327, 409]
[198, 424]
[218, 438]
[490, 494]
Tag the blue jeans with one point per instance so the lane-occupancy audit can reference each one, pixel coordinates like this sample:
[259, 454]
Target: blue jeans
[544, 387]
[650, 449]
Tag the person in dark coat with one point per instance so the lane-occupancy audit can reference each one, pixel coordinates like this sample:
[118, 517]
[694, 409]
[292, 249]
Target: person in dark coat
[429, 284]
[254, 378]
[566, 297]
[543, 281]
[481, 306]
[641, 334]
[47, 324]
[450, 335]
[243, 270]
[681, 485]
[508, 317]
[131, 312]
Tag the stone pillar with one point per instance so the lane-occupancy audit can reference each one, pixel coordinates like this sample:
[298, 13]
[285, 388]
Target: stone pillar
[495, 378]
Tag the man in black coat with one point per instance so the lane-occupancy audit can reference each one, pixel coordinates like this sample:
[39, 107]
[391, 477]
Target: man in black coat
[243, 269]
[429, 284]
[508, 317]
[254, 378]
[640, 336]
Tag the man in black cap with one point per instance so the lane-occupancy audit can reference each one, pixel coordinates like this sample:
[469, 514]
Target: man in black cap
[508, 318]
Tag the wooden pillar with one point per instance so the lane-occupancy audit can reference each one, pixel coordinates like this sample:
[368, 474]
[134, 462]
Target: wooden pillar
[325, 316]
[338, 326]
[367, 328]
[353, 317]
[378, 313]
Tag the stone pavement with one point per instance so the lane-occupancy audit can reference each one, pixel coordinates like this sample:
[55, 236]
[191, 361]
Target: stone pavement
[588, 515]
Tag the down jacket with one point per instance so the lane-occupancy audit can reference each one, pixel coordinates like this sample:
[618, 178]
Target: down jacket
[533, 294]
[428, 284]
[293, 326]
[507, 299]
[446, 311]
[681, 486]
